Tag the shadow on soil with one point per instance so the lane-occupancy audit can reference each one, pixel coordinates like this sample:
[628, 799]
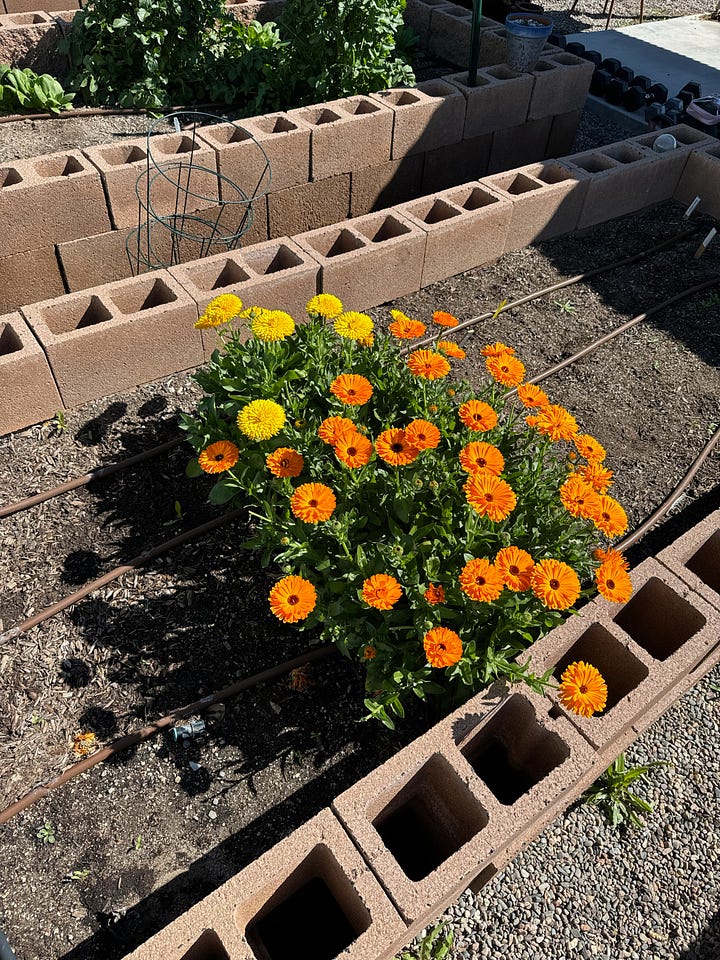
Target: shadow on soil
[707, 945]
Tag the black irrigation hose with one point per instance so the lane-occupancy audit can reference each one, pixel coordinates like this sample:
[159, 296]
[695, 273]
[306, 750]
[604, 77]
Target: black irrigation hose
[103, 112]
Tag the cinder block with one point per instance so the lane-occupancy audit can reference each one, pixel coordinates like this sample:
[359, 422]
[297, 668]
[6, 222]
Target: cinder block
[417, 16]
[65, 183]
[117, 336]
[136, 184]
[245, 10]
[278, 275]
[23, 274]
[562, 134]
[312, 887]
[546, 201]
[376, 188]
[499, 100]
[338, 127]
[27, 6]
[277, 158]
[700, 179]
[20, 34]
[92, 261]
[449, 36]
[270, 10]
[466, 227]
[426, 117]
[561, 85]
[695, 558]
[370, 260]
[309, 206]
[457, 163]
[28, 393]
[516, 146]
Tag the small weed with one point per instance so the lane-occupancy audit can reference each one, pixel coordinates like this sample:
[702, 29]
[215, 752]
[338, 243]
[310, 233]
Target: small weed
[612, 793]
[36, 719]
[179, 515]
[76, 876]
[46, 833]
[565, 306]
[435, 945]
[60, 423]
[138, 842]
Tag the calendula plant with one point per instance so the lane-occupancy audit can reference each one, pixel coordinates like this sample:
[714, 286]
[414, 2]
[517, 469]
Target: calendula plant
[430, 531]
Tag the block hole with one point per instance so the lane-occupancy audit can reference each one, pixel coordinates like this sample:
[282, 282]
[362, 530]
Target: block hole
[621, 670]
[400, 98]
[273, 261]
[438, 211]
[659, 620]
[705, 562]
[359, 107]
[215, 276]
[522, 184]
[22, 19]
[552, 173]
[567, 59]
[474, 199]
[429, 820]
[10, 341]
[116, 156]
[501, 72]
[143, 295]
[334, 245]
[276, 124]
[543, 66]
[171, 146]
[207, 947]
[320, 115]
[315, 914]
[436, 88]
[713, 152]
[230, 134]
[9, 177]
[458, 14]
[389, 228]
[512, 753]
[464, 80]
[555, 712]
[58, 166]
[80, 313]
[595, 163]
[622, 153]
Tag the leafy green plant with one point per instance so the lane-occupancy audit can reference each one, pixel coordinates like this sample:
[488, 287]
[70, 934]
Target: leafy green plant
[77, 876]
[565, 306]
[611, 792]
[26, 90]
[60, 423]
[46, 833]
[435, 945]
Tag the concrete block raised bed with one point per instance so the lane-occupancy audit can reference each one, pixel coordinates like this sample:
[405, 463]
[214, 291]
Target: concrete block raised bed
[695, 558]
[561, 85]
[309, 206]
[117, 336]
[20, 35]
[376, 188]
[428, 116]
[457, 163]
[450, 32]
[515, 146]
[562, 133]
[313, 887]
[28, 393]
[92, 261]
[466, 227]
[22, 274]
[499, 100]
[700, 179]
[417, 16]
[370, 260]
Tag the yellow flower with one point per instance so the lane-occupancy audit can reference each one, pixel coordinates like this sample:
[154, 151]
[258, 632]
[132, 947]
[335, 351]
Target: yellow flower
[220, 310]
[261, 419]
[324, 305]
[353, 325]
[271, 325]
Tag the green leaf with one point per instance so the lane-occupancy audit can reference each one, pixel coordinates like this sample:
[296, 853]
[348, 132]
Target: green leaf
[222, 493]
[193, 469]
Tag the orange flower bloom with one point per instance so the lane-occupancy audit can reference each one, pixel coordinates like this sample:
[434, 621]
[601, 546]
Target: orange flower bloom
[515, 567]
[313, 502]
[353, 449]
[579, 498]
[610, 518]
[589, 447]
[443, 647]
[443, 319]
[394, 448]
[84, 744]
[332, 429]
[381, 591]
[506, 369]
[404, 328]
[613, 582]
[478, 416]
[555, 583]
[497, 350]
[480, 580]
[450, 349]
[532, 396]
[435, 594]
[369, 653]
[482, 456]
[422, 434]
[428, 364]
[598, 476]
[489, 496]
[555, 422]
[582, 689]
[285, 462]
[351, 389]
[219, 457]
[611, 556]
[292, 599]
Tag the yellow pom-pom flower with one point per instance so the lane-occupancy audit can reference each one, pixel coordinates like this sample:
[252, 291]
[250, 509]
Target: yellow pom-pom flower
[272, 325]
[221, 310]
[324, 305]
[353, 325]
[261, 419]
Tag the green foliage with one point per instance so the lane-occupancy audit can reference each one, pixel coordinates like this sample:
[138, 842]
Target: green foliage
[25, 90]
[611, 792]
[46, 833]
[435, 945]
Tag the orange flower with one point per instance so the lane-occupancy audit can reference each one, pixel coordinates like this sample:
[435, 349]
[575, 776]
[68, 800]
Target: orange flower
[482, 456]
[515, 566]
[219, 457]
[84, 743]
[443, 319]
[598, 476]
[404, 328]
[351, 389]
[332, 429]
[428, 364]
[613, 582]
[285, 462]
[353, 449]
[480, 580]
[582, 689]
[394, 448]
[611, 556]
[422, 434]
[313, 502]
[292, 599]
[610, 518]
[435, 594]
[555, 422]
[443, 647]
[489, 496]
[589, 447]
[555, 583]
[478, 416]
[381, 591]
[450, 349]
[506, 369]
[579, 498]
[369, 653]
[497, 350]
[532, 396]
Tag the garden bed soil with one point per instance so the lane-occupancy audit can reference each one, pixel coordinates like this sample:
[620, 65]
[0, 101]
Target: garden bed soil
[138, 839]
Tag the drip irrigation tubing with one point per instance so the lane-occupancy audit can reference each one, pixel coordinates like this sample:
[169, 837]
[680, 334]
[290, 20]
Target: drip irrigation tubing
[138, 736]
[103, 112]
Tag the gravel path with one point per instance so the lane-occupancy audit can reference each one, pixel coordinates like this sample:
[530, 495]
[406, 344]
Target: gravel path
[589, 15]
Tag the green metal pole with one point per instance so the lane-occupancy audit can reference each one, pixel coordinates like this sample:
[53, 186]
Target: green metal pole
[475, 43]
